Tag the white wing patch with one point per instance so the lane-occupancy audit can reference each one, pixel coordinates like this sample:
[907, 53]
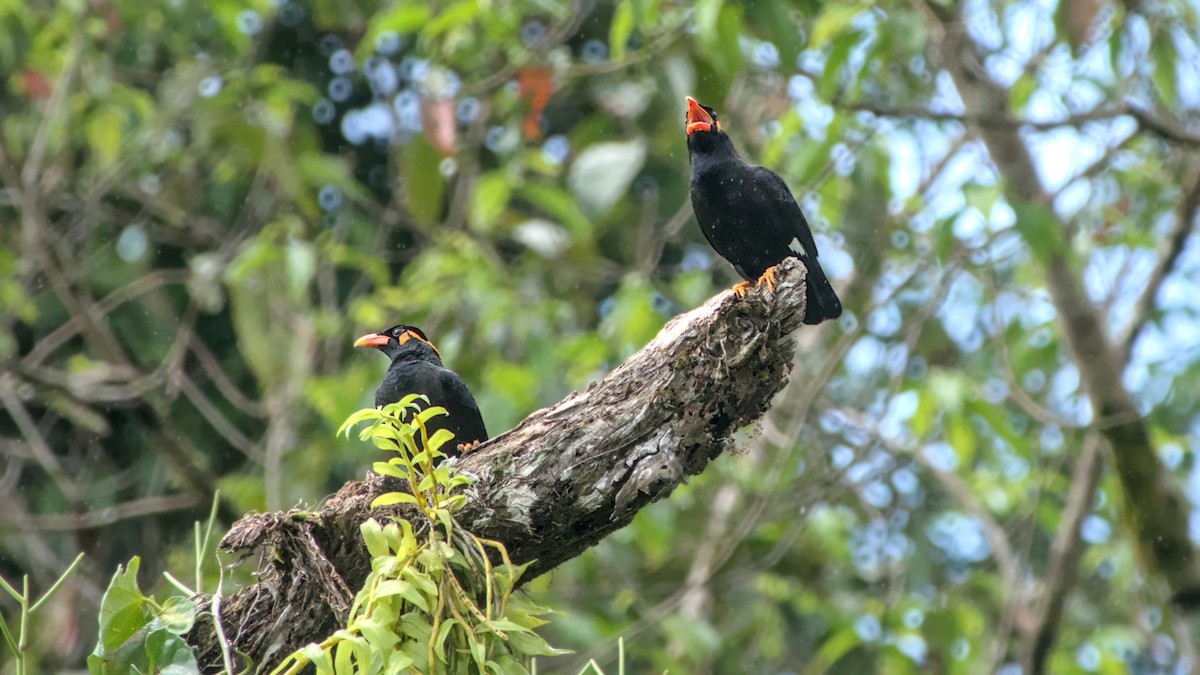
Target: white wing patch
[797, 247]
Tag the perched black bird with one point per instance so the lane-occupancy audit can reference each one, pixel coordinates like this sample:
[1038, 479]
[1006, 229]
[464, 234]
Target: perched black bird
[749, 216]
[417, 369]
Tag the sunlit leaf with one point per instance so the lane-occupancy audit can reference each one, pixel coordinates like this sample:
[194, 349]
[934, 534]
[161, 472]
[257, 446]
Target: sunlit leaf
[620, 29]
[488, 200]
[177, 615]
[104, 135]
[603, 172]
[391, 498]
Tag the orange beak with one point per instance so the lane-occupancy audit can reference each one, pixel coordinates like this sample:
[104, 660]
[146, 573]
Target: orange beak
[372, 340]
[698, 118]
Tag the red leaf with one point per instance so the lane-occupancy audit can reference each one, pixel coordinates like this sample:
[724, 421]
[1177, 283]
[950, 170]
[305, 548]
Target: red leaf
[535, 86]
[438, 120]
[35, 84]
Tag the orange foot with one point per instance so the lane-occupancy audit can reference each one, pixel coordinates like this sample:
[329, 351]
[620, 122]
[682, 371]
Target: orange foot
[768, 277]
[464, 448]
[739, 290]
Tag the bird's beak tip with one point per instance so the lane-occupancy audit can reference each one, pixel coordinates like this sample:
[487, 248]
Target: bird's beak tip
[698, 118]
[371, 340]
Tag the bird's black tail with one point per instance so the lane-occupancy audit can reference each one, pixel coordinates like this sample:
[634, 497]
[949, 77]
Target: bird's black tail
[823, 303]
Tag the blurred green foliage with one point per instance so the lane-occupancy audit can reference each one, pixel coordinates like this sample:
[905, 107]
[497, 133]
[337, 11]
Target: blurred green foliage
[204, 203]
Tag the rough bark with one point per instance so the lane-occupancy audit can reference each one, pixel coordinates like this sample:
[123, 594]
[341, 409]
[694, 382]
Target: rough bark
[549, 489]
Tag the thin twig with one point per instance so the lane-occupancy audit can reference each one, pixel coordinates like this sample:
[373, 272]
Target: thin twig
[1172, 248]
[70, 328]
[66, 522]
[1145, 121]
[34, 440]
[1065, 551]
[226, 653]
[223, 426]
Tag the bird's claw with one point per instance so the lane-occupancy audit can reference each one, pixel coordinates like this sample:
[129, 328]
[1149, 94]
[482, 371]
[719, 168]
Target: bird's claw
[740, 290]
[464, 448]
[768, 277]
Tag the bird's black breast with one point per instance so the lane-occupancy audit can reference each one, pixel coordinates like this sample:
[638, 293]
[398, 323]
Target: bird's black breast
[745, 218]
[444, 388]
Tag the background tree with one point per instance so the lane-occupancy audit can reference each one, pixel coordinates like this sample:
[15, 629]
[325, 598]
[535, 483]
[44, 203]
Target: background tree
[988, 461]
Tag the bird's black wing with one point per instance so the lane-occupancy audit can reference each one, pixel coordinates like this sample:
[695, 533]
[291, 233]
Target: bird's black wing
[787, 217]
[465, 419]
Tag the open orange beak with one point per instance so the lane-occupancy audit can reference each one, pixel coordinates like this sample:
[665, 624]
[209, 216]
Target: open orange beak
[698, 118]
[372, 340]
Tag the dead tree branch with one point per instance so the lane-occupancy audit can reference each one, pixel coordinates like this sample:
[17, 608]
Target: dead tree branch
[549, 489]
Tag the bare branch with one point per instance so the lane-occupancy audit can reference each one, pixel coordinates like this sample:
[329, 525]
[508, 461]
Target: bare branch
[1065, 551]
[70, 328]
[136, 508]
[1165, 130]
[34, 440]
[228, 430]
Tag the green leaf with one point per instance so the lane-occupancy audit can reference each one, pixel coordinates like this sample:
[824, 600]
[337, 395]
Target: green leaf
[489, 197]
[603, 172]
[620, 29]
[393, 498]
[123, 610]
[707, 13]
[838, 57]
[944, 244]
[429, 413]
[103, 132]
[421, 581]
[981, 197]
[342, 657]
[1040, 229]
[1020, 93]
[832, 650]
[380, 636]
[998, 420]
[1162, 50]
[405, 590]
[961, 437]
[168, 654]
[440, 438]
[357, 418]
[922, 419]
[177, 615]
[372, 535]
[478, 652]
[775, 17]
[399, 17]
[423, 183]
[319, 657]
[388, 469]
[559, 205]
[456, 15]
[509, 626]
[833, 22]
[446, 519]
[399, 662]
[443, 632]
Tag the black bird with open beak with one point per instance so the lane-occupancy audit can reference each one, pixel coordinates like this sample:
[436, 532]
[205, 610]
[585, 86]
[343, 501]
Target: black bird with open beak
[417, 369]
[749, 216]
